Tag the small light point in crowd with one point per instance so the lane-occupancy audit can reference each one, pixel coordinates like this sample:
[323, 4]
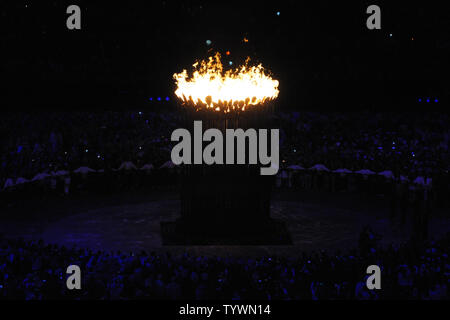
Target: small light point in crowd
[208, 42]
[278, 13]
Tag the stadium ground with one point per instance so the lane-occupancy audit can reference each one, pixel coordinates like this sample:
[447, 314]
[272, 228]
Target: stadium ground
[131, 222]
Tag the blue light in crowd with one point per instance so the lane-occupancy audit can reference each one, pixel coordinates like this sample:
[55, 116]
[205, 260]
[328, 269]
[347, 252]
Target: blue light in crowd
[151, 99]
[208, 42]
[140, 112]
[159, 98]
[86, 150]
[436, 100]
[393, 148]
[230, 63]
[167, 98]
[428, 100]
[420, 100]
[278, 13]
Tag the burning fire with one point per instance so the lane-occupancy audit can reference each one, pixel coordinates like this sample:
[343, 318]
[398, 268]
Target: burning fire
[211, 87]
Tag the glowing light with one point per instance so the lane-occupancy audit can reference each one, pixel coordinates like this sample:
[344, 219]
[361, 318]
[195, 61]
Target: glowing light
[227, 53]
[208, 42]
[159, 98]
[236, 89]
[167, 98]
[428, 100]
[278, 13]
[230, 63]
[245, 40]
[436, 100]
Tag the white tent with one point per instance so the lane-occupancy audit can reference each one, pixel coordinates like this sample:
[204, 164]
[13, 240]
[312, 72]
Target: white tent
[365, 172]
[84, 170]
[319, 167]
[403, 179]
[8, 183]
[296, 167]
[61, 173]
[40, 176]
[387, 173]
[342, 170]
[127, 165]
[147, 166]
[169, 164]
[21, 180]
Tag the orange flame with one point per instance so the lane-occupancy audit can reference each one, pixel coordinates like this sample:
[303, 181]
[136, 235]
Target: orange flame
[211, 87]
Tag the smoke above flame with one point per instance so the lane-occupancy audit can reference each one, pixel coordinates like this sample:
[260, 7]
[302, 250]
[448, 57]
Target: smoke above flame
[235, 89]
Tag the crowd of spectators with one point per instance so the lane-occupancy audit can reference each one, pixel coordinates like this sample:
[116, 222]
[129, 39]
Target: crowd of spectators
[412, 270]
[411, 149]
[408, 144]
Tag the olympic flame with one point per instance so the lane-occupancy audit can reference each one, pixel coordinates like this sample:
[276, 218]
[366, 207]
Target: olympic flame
[235, 89]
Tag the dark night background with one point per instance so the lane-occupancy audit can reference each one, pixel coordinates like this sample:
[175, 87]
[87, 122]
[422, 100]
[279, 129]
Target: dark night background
[322, 53]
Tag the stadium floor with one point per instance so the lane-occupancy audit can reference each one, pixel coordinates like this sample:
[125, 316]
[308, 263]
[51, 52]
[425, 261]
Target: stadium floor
[131, 222]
